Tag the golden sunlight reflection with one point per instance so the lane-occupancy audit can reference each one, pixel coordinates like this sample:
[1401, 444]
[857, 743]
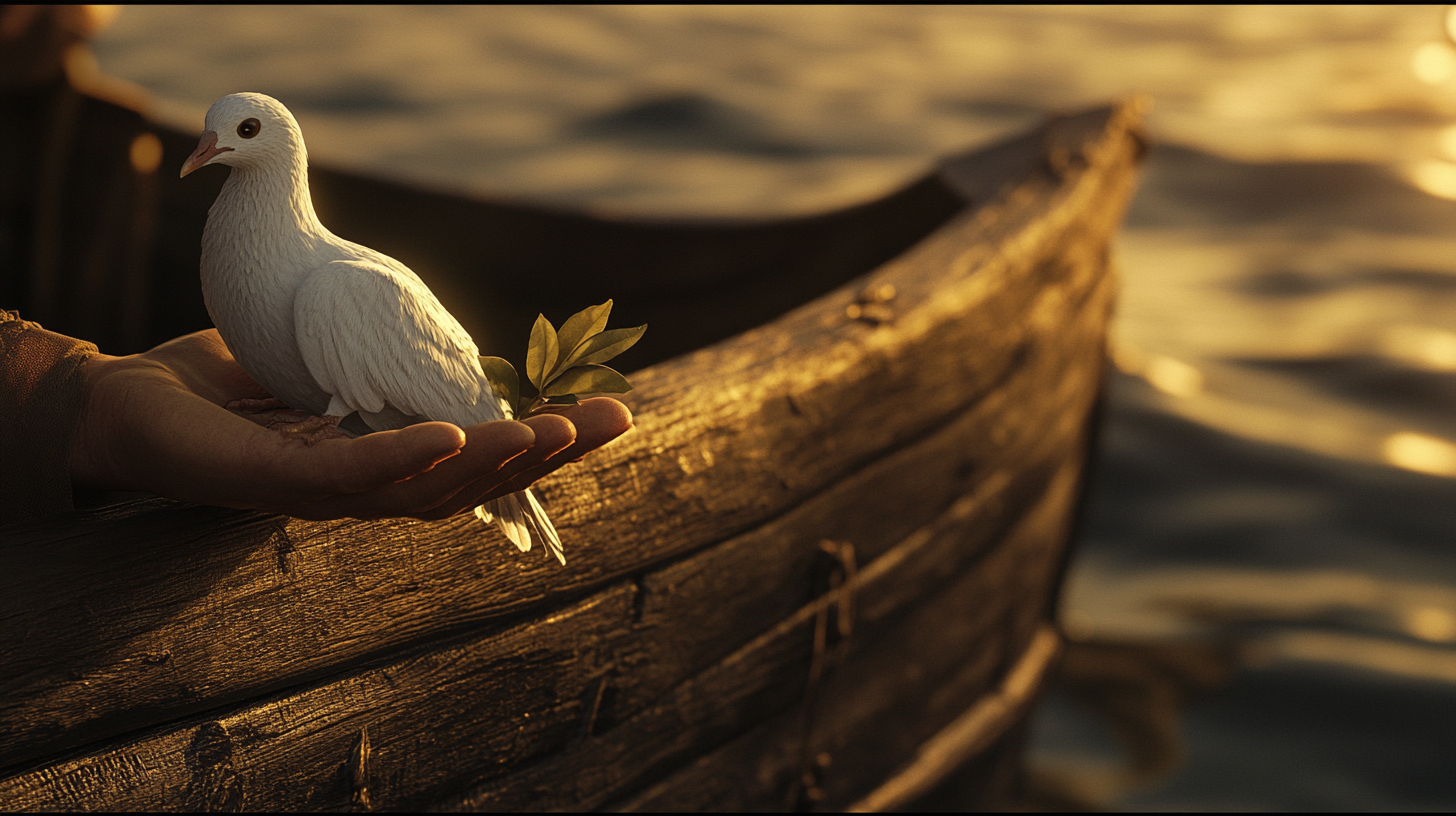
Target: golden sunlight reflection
[1170, 376]
[1435, 177]
[1431, 623]
[1420, 453]
[1434, 63]
[1360, 652]
[1179, 601]
[890, 87]
[1173, 377]
[1433, 349]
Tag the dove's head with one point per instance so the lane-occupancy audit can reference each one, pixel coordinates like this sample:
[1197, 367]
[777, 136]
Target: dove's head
[248, 130]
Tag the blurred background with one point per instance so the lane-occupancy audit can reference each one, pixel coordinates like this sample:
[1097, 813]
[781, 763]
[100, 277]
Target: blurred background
[1263, 603]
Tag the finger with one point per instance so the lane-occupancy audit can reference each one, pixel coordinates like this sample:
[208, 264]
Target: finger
[554, 434]
[487, 447]
[379, 459]
[597, 421]
[491, 464]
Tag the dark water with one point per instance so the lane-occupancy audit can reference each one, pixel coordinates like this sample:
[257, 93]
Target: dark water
[1270, 564]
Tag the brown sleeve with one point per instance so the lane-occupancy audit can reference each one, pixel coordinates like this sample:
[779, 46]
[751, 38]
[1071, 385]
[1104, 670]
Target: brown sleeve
[42, 392]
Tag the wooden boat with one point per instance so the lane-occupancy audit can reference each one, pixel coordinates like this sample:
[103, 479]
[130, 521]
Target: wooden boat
[821, 572]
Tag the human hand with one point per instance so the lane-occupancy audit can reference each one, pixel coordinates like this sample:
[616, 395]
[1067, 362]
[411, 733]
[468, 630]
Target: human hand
[155, 422]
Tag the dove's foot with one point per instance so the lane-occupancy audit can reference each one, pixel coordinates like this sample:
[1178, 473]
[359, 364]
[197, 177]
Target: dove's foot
[311, 429]
[275, 415]
[265, 412]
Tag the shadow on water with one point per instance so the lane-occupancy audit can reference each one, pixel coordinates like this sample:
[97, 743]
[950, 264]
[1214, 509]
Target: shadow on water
[1171, 491]
[1195, 730]
[361, 96]
[691, 122]
[699, 123]
[1377, 382]
[1186, 186]
[1303, 737]
[1290, 283]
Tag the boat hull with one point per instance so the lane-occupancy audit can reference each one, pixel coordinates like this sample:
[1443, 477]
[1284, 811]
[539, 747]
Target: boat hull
[821, 572]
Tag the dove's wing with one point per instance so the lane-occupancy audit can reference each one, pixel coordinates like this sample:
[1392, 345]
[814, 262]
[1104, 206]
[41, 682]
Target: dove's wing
[375, 337]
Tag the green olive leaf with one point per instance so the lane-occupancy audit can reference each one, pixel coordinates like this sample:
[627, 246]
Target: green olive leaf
[578, 328]
[588, 379]
[503, 379]
[603, 347]
[564, 399]
[541, 356]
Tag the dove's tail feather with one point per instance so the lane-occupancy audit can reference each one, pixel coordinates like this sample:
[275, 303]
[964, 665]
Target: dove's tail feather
[517, 519]
[509, 517]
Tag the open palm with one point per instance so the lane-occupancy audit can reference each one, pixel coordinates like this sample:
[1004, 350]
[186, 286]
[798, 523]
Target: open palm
[155, 422]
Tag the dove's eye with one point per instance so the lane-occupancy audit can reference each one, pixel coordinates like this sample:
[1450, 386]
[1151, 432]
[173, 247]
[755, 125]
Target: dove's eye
[249, 128]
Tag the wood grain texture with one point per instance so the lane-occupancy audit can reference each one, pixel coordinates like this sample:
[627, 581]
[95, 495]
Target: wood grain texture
[970, 735]
[468, 708]
[428, 715]
[1032, 423]
[723, 700]
[641, 643]
[943, 653]
[746, 453]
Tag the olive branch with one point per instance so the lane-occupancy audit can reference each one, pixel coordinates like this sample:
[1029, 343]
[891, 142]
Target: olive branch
[564, 365]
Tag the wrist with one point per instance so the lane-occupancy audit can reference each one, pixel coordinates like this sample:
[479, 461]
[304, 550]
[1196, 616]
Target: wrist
[88, 458]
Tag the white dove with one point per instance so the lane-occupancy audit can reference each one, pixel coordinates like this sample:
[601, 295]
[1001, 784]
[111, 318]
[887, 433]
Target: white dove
[326, 325]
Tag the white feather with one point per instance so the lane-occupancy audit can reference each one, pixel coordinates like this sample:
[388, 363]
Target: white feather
[323, 323]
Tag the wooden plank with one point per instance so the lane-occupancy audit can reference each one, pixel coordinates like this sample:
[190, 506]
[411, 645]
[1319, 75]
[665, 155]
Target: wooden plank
[426, 716]
[764, 769]
[118, 622]
[647, 662]
[913, 639]
[752, 580]
[948, 653]
[971, 734]
[666, 735]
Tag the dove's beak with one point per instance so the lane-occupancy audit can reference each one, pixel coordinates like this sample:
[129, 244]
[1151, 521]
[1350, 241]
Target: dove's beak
[206, 151]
